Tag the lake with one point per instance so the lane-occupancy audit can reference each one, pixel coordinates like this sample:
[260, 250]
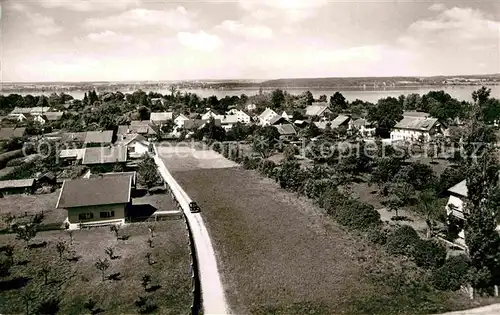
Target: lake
[463, 92]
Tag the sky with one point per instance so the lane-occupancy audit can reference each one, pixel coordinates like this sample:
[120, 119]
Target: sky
[133, 40]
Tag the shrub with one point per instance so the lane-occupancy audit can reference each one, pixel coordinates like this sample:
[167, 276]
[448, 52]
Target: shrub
[291, 176]
[314, 188]
[402, 240]
[377, 236]
[15, 162]
[217, 147]
[250, 163]
[357, 215]
[452, 274]
[266, 167]
[5, 264]
[429, 254]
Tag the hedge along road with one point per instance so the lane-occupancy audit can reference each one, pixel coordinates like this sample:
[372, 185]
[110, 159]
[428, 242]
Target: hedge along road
[213, 299]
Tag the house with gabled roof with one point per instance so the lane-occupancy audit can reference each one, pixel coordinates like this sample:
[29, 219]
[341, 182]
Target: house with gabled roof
[96, 201]
[228, 121]
[317, 109]
[210, 114]
[266, 116]
[17, 186]
[286, 131]
[341, 121]
[417, 126]
[136, 144]
[179, 120]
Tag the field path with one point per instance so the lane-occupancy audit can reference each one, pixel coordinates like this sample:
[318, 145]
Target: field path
[213, 299]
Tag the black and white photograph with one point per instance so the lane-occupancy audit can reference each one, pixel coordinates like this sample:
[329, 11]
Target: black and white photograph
[281, 157]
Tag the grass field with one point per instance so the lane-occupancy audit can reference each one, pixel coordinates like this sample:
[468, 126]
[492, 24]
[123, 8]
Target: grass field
[74, 282]
[279, 254]
[24, 207]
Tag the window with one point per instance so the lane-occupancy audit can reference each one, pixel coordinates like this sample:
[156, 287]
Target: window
[85, 216]
[107, 214]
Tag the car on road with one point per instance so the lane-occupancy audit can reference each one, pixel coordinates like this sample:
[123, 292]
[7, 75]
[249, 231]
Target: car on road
[193, 207]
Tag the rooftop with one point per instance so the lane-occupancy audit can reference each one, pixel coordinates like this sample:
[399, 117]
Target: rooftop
[459, 189]
[162, 116]
[115, 174]
[104, 155]
[9, 133]
[16, 183]
[339, 120]
[316, 110]
[105, 136]
[416, 123]
[95, 191]
[72, 153]
[286, 129]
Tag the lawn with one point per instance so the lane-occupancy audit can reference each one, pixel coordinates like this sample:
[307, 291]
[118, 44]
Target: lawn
[24, 207]
[279, 254]
[73, 282]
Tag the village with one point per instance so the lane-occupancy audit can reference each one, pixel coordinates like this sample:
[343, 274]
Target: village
[82, 167]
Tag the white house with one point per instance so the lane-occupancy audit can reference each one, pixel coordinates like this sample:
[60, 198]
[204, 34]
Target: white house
[210, 114]
[364, 128]
[455, 207]
[251, 107]
[342, 121]
[179, 120]
[286, 116]
[242, 117]
[137, 145]
[319, 109]
[266, 116]
[228, 121]
[416, 127]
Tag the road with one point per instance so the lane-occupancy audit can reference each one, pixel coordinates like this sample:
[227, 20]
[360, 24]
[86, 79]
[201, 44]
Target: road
[485, 310]
[212, 292]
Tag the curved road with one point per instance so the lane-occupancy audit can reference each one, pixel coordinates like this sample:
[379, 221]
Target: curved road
[212, 292]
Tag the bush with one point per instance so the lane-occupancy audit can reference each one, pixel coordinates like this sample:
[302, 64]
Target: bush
[266, 167]
[251, 163]
[357, 215]
[452, 275]
[377, 236]
[15, 162]
[217, 147]
[429, 254]
[402, 240]
[314, 188]
[5, 265]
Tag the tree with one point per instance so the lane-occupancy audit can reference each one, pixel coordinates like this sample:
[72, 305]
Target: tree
[61, 248]
[90, 305]
[102, 265]
[337, 101]
[387, 113]
[429, 207]
[5, 265]
[151, 229]
[144, 113]
[26, 233]
[322, 98]
[115, 229]
[309, 98]
[70, 234]
[277, 98]
[110, 252]
[150, 242]
[264, 140]
[44, 271]
[148, 172]
[148, 256]
[238, 132]
[145, 281]
[9, 252]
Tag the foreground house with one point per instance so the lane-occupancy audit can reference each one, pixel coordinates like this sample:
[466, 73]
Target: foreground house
[241, 116]
[96, 201]
[137, 145]
[71, 156]
[179, 120]
[228, 121]
[417, 126]
[17, 186]
[142, 127]
[11, 133]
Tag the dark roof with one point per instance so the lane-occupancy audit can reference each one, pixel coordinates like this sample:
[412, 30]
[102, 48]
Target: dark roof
[286, 129]
[9, 133]
[95, 191]
[115, 174]
[460, 189]
[16, 183]
[122, 129]
[74, 136]
[141, 127]
[52, 116]
[277, 119]
[416, 123]
[339, 121]
[105, 136]
[104, 155]
[193, 124]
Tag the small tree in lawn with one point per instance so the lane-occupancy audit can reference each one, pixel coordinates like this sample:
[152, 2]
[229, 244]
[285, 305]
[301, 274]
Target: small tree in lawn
[61, 248]
[70, 234]
[90, 305]
[9, 252]
[428, 207]
[5, 265]
[27, 297]
[150, 242]
[115, 229]
[110, 252]
[151, 229]
[148, 256]
[146, 280]
[26, 233]
[44, 271]
[102, 265]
